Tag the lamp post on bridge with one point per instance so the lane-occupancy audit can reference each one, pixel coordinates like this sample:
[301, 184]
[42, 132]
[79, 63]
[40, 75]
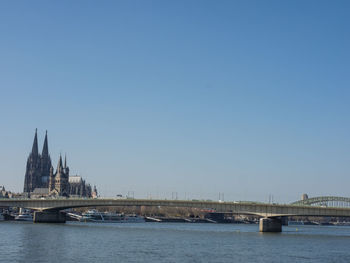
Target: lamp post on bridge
[174, 195]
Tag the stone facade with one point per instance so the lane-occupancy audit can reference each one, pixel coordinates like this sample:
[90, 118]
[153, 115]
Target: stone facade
[59, 181]
[42, 180]
[78, 187]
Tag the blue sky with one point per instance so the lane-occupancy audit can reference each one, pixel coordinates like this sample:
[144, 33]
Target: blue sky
[245, 98]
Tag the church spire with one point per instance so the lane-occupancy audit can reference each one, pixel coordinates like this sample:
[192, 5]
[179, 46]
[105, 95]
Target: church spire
[65, 161]
[59, 165]
[35, 144]
[45, 147]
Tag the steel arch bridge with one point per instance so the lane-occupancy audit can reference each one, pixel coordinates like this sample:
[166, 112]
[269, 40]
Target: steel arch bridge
[325, 201]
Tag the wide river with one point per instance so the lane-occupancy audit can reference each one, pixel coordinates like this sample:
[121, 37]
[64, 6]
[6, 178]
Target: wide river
[170, 242]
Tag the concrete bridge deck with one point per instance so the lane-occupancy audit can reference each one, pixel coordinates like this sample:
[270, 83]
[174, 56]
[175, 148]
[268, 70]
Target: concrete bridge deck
[264, 210]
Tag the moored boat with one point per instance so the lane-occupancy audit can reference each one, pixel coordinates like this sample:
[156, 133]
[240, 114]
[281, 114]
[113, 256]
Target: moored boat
[24, 217]
[98, 217]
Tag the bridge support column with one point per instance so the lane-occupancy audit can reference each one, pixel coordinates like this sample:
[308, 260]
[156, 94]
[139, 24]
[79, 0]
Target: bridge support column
[270, 225]
[49, 217]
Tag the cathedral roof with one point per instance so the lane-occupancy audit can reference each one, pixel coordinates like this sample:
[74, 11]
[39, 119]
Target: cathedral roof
[75, 179]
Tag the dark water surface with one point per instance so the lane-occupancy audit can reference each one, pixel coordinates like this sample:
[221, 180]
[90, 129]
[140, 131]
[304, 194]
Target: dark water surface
[170, 242]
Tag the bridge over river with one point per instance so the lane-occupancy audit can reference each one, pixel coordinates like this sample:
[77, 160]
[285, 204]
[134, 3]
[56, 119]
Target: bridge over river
[49, 210]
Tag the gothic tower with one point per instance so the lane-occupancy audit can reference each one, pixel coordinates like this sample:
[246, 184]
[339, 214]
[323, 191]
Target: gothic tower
[59, 182]
[33, 173]
[45, 165]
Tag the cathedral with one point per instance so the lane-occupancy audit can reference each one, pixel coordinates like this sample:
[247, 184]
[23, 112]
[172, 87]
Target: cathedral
[41, 179]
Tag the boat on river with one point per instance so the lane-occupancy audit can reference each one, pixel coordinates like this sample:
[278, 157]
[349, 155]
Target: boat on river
[24, 217]
[106, 217]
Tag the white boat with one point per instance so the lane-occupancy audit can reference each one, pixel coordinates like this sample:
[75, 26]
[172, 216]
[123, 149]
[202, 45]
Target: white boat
[98, 217]
[24, 217]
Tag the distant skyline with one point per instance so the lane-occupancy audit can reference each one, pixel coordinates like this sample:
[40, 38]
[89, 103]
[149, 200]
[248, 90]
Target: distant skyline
[199, 98]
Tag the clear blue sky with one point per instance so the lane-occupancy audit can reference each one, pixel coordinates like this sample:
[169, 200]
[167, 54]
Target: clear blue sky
[245, 98]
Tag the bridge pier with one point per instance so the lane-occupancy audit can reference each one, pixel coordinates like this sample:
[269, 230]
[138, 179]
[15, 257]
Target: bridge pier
[270, 225]
[49, 217]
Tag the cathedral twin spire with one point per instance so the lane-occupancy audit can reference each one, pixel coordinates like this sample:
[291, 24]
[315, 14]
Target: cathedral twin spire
[35, 151]
[45, 151]
[39, 165]
[35, 147]
[40, 177]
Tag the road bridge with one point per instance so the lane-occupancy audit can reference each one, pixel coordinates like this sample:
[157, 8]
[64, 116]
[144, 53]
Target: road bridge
[48, 210]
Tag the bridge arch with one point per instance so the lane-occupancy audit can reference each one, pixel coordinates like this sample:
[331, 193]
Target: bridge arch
[324, 201]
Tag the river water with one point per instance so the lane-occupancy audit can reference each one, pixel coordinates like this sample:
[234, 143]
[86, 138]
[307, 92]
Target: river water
[170, 242]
